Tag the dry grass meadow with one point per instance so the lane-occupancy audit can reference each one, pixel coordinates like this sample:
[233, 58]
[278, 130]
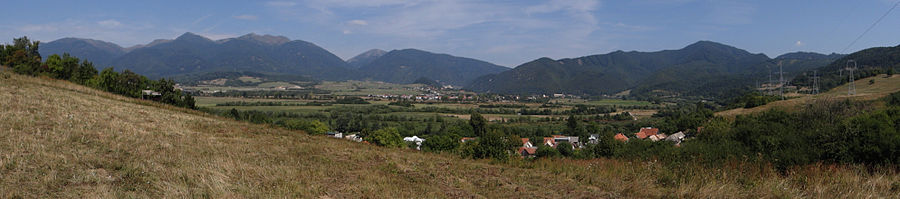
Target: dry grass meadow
[881, 87]
[61, 140]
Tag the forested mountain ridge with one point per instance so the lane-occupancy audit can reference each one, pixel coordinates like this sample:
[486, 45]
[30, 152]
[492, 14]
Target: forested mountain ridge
[618, 71]
[101, 53]
[191, 53]
[704, 68]
[407, 65]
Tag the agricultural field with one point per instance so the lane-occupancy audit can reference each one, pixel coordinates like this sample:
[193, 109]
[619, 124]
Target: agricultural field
[364, 88]
[614, 102]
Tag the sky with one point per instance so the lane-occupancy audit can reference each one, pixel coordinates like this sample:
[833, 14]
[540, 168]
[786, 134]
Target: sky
[504, 32]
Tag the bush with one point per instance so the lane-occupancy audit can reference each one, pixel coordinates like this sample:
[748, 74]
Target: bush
[388, 137]
[546, 151]
[565, 149]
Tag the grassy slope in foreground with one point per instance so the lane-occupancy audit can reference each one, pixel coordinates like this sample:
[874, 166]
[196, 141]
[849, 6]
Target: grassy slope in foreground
[60, 140]
[65, 140]
[883, 86]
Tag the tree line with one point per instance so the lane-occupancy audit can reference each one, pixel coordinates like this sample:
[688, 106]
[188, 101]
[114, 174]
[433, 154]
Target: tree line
[23, 57]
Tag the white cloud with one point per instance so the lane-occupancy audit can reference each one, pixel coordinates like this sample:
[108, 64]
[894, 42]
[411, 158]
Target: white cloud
[246, 17]
[37, 28]
[358, 22]
[281, 3]
[485, 28]
[109, 23]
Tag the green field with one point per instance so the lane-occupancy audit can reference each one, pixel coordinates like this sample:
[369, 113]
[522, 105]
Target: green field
[615, 102]
[358, 88]
[274, 84]
[202, 101]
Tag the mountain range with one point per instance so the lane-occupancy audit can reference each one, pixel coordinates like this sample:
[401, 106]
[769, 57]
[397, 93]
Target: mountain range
[191, 54]
[704, 68]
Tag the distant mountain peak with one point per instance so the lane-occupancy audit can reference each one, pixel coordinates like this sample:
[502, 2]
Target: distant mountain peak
[366, 57]
[266, 39]
[189, 36]
[707, 44]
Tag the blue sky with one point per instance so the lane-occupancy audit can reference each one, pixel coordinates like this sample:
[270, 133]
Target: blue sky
[505, 32]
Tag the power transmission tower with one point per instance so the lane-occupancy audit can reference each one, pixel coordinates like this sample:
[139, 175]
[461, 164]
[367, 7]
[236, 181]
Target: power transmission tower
[851, 86]
[770, 83]
[781, 80]
[815, 82]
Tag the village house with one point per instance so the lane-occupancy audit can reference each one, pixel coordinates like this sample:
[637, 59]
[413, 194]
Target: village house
[594, 139]
[353, 137]
[549, 142]
[150, 95]
[527, 151]
[466, 139]
[334, 134]
[621, 137]
[658, 137]
[570, 139]
[646, 132]
[677, 138]
[526, 143]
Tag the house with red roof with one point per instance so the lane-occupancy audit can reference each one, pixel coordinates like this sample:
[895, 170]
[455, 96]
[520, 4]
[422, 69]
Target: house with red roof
[526, 143]
[646, 132]
[527, 151]
[621, 137]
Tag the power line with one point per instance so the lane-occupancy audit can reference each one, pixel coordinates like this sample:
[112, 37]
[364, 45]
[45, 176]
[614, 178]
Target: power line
[870, 27]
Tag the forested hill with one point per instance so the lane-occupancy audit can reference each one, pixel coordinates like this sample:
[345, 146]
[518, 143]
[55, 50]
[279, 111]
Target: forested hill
[408, 65]
[704, 68]
[195, 54]
[618, 71]
[869, 62]
[101, 53]
[192, 53]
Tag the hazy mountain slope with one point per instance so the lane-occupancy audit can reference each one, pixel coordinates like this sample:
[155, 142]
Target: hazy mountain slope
[365, 58]
[101, 53]
[673, 70]
[191, 54]
[405, 66]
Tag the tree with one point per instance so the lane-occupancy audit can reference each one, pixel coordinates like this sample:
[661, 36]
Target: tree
[546, 151]
[492, 145]
[108, 79]
[85, 72]
[443, 142]
[235, 114]
[389, 137]
[565, 149]
[315, 127]
[478, 123]
[54, 62]
[571, 125]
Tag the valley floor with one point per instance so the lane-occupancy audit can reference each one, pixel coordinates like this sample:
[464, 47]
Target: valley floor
[61, 140]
